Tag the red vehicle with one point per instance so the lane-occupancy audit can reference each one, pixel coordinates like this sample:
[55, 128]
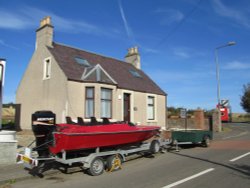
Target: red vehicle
[225, 114]
[225, 110]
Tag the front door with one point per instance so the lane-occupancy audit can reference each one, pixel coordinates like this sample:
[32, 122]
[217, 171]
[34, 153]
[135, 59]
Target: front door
[126, 107]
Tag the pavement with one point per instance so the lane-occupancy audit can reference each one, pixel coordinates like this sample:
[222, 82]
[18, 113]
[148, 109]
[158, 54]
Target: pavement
[15, 172]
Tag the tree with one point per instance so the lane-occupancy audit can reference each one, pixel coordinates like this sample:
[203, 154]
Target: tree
[245, 98]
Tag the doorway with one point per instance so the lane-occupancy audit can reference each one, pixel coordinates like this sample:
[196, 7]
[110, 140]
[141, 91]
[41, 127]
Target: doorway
[126, 107]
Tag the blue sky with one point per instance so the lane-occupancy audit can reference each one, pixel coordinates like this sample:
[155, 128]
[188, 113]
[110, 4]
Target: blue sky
[176, 40]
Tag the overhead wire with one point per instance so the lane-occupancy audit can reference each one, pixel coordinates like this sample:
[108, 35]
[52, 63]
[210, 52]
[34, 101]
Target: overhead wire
[163, 40]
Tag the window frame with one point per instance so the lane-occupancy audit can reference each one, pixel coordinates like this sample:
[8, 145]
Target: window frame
[153, 106]
[106, 100]
[47, 68]
[89, 99]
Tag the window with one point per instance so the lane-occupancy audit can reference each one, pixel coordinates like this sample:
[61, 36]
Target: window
[151, 108]
[47, 68]
[81, 61]
[106, 102]
[135, 73]
[89, 102]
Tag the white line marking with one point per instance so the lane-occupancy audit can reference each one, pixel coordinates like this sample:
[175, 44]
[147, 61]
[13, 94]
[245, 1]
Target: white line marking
[189, 178]
[237, 158]
[235, 136]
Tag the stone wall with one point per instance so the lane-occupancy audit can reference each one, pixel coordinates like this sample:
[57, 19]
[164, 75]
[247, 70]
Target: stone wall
[191, 123]
[198, 121]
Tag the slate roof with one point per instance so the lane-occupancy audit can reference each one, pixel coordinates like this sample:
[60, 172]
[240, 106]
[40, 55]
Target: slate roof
[118, 70]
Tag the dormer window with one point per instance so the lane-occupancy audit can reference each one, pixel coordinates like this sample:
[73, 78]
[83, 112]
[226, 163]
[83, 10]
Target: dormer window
[47, 68]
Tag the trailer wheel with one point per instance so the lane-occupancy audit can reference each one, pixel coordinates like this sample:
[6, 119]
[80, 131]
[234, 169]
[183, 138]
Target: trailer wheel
[154, 147]
[114, 163]
[97, 167]
[206, 141]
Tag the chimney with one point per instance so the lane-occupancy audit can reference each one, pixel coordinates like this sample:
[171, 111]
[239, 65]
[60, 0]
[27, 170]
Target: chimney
[44, 34]
[133, 57]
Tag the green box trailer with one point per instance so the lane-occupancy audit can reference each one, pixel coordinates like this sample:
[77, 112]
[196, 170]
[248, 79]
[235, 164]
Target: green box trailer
[192, 136]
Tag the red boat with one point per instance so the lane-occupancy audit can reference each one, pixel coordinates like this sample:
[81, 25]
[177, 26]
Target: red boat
[70, 137]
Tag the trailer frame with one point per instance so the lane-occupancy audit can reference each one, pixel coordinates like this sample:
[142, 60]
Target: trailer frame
[119, 155]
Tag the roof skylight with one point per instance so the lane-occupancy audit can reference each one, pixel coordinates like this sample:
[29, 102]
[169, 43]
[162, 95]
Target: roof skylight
[83, 62]
[135, 73]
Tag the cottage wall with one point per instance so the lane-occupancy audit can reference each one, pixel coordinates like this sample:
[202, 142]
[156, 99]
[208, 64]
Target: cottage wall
[36, 93]
[138, 103]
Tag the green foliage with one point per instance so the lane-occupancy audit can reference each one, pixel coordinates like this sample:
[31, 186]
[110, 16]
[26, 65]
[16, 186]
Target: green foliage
[208, 113]
[241, 118]
[8, 105]
[245, 98]
[173, 111]
[8, 124]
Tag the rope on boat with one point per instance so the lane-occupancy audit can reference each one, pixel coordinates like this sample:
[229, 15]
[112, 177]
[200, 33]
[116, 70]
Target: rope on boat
[31, 143]
[43, 144]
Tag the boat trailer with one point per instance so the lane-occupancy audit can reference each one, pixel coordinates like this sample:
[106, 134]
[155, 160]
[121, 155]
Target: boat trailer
[98, 160]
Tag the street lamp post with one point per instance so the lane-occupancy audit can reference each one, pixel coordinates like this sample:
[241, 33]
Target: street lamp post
[218, 76]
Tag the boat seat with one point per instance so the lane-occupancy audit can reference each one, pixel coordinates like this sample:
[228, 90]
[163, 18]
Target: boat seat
[93, 121]
[131, 124]
[69, 120]
[105, 121]
[80, 121]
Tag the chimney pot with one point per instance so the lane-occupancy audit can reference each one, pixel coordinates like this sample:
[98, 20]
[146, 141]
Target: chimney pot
[45, 21]
[136, 50]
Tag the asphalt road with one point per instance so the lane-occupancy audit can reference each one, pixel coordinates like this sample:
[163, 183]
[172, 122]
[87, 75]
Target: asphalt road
[226, 163]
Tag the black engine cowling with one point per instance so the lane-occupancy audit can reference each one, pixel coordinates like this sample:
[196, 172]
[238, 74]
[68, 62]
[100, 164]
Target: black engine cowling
[43, 125]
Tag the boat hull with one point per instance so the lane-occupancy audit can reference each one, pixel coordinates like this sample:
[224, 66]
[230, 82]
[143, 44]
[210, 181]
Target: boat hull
[79, 138]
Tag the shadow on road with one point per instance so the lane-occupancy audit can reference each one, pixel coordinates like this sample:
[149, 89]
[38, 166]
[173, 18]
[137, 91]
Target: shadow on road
[243, 169]
[53, 167]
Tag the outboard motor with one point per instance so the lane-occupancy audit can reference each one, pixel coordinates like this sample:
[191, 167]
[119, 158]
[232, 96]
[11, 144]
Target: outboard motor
[43, 125]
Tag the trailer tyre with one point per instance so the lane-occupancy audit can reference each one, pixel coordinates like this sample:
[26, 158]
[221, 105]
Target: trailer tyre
[154, 147]
[114, 163]
[206, 141]
[97, 167]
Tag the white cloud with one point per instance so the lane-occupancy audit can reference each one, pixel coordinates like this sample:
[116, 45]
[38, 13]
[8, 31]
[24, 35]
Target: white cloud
[180, 76]
[2, 43]
[29, 17]
[150, 50]
[125, 22]
[61, 23]
[10, 20]
[169, 16]
[186, 53]
[236, 65]
[181, 53]
[239, 16]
